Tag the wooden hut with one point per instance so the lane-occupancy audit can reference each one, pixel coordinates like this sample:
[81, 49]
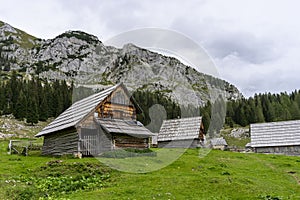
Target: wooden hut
[181, 133]
[276, 137]
[101, 122]
[218, 143]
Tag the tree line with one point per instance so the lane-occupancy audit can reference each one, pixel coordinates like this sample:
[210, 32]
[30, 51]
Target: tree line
[260, 108]
[37, 100]
[34, 100]
[264, 108]
[155, 108]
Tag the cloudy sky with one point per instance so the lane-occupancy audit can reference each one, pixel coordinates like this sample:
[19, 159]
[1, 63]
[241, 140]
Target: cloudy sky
[255, 44]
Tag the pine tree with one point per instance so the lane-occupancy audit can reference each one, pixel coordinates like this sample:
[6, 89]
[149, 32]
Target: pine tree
[13, 83]
[259, 112]
[20, 110]
[268, 110]
[32, 115]
[8, 103]
[252, 111]
[2, 97]
[294, 111]
[240, 116]
[43, 110]
[297, 98]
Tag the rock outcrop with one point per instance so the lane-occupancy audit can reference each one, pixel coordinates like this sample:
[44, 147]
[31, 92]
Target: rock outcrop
[78, 56]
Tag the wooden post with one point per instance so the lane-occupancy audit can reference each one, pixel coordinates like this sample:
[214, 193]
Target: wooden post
[114, 142]
[9, 146]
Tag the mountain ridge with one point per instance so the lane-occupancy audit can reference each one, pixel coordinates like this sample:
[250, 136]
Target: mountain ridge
[79, 56]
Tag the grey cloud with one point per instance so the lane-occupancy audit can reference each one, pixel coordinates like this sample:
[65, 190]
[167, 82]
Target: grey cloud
[258, 34]
[222, 42]
[246, 46]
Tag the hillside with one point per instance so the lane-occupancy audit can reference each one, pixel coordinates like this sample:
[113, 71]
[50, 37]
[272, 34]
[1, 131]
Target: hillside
[79, 56]
[218, 175]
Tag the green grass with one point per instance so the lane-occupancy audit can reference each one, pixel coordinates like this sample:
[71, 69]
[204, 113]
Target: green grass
[233, 141]
[236, 142]
[218, 175]
[36, 176]
[26, 39]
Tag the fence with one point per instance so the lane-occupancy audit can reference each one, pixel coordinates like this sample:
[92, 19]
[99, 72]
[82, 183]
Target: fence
[23, 146]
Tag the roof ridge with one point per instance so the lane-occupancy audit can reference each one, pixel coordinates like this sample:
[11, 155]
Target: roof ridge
[182, 118]
[277, 122]
[70, 117]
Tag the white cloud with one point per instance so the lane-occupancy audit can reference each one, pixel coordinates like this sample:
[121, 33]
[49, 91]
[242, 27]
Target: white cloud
[254, 43]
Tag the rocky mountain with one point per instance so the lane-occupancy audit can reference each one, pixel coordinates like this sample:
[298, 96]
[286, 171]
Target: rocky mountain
[78, 56]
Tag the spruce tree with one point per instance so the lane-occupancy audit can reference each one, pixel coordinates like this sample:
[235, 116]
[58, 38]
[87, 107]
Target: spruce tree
[295, 111]
[14, 87]
[32, 115]
[259, 113]
[20, 110]
[43, 110]
[2, 97]
[241, 117]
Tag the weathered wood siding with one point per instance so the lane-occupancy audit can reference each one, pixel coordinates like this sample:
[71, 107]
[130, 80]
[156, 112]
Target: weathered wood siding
[287, 150]
[117, 106]
[61, 143]
[93, 139]
[105, 141]
[126, 141]
[87, 136]
[89, 122]
[202, 133]
[180, 144]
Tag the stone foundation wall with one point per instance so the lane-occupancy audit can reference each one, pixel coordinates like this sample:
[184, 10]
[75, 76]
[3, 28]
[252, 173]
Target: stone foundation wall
[287, 150]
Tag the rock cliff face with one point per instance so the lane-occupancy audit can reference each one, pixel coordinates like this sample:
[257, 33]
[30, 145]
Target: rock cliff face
[75, 55]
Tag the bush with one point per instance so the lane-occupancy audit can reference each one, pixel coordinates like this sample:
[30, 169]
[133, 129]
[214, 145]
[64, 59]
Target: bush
[57, 178]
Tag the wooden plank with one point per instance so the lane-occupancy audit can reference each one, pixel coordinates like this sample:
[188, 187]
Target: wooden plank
[60, 143]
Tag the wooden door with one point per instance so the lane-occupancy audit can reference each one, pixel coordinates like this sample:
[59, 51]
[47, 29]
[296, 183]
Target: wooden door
[89, 142]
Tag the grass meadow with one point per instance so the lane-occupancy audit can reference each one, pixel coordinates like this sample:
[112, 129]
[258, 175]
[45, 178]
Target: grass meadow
[194, 175]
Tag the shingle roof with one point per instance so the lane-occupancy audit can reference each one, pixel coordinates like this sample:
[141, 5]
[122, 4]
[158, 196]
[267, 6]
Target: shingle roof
[218, 141]
[132, 128]
[284, 133]
[77, 111]
[180, 129]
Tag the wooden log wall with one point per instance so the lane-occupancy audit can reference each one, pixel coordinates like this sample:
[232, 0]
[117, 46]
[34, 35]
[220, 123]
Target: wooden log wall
[117, 111]
[118, 106]
[126, 141]
[180, 144]
[61, 143]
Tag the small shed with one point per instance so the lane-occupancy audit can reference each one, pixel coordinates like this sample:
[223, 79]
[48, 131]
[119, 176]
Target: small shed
[181, 133]
[101, 122]
[218, 143]
[276, 137]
